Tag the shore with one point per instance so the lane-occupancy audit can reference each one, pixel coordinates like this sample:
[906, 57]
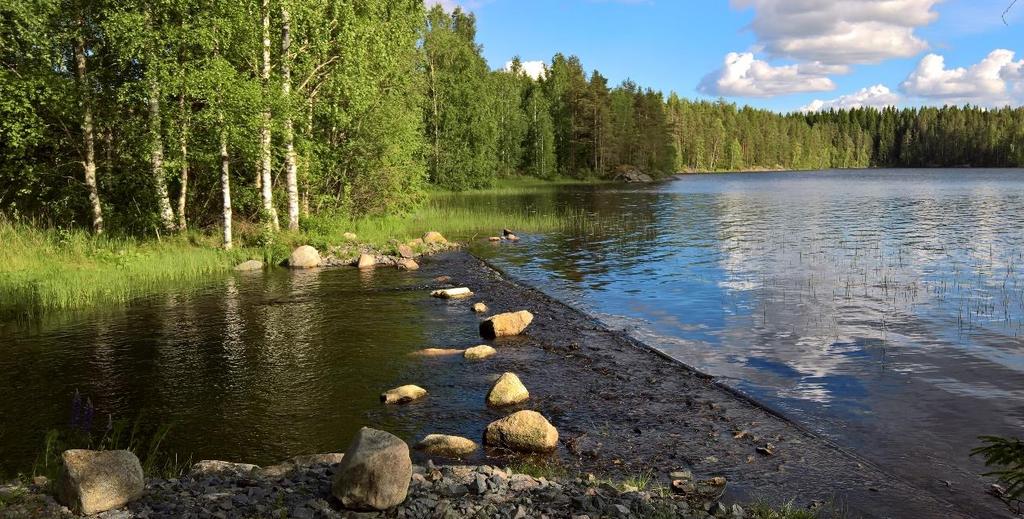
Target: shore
[623, 410]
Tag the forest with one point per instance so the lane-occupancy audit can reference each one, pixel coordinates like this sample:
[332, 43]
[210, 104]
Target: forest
[150, 118]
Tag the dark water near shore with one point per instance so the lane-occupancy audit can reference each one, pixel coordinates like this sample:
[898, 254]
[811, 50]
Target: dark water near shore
[883, 309]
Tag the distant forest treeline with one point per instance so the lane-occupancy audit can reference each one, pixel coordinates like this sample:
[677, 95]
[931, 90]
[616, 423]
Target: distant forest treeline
[153, 117]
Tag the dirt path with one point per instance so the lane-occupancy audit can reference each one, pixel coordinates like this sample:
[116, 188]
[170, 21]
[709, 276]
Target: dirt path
[623, 408]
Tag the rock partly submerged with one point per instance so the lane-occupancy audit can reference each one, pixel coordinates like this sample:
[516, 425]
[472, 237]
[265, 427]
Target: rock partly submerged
[375, 473]
[403, 394]
[437, 352]
[367, 261]
[408, 264]
[479, 352]
[96, 481]
[505, 325]
[480, 308]
[447, 446]
[249, 266]
[452, 293]
[524, 431]
[508, 390]
[304, 257]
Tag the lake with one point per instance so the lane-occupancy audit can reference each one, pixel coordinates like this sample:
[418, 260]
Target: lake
[880, 308]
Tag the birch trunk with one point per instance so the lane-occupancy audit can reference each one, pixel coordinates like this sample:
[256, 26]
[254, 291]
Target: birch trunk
[157, 158]
[225, 182]
[291, 167]
[88, 135]
[183, 145]
[265, 165]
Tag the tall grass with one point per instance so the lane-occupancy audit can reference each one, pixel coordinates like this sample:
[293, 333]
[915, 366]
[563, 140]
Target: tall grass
[47, 270]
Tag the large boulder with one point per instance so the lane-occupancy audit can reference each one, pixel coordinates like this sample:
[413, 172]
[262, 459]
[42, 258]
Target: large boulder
[508, 390]
[479, 352]
[249, 266]
[375, 473]
[433, 237]
[304, 257]
[403, 395]
[505, 325]
[525, 431]
[447, 446]
[96, 481]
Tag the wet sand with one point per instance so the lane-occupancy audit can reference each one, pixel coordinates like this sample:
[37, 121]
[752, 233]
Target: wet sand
[623, 409]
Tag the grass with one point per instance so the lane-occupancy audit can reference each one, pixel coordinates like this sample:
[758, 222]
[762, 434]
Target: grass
[51, 270]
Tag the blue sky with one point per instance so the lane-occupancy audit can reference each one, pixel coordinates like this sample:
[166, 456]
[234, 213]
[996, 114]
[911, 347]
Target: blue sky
[783, 54]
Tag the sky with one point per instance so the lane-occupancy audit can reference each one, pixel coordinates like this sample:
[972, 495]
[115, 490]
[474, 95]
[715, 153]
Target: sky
[784, 55]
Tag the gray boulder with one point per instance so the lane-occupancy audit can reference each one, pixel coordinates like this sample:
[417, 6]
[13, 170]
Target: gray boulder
[375, 472]
[249, 266]
[97, 481]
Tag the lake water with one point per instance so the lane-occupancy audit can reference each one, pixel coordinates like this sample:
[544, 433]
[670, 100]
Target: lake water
[880, 308]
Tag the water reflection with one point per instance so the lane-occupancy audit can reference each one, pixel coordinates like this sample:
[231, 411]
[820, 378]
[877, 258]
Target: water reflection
[251, 367]
[882, 308]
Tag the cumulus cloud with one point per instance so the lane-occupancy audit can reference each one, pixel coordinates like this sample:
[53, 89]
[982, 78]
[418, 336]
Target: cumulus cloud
[840, 32]
[878, 96]
[744, 75]
[995, 80]
[534, 69]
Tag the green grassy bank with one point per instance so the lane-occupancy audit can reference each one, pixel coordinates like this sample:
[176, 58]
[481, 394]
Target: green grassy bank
[47, 270]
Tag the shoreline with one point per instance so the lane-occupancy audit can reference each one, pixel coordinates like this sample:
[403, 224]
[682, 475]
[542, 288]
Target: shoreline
[623, 410]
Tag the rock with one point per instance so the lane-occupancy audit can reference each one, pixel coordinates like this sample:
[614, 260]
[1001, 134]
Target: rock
[511, 237]
[375, 473]
[479, 352]
[308, 460]
[408, 264]
[304, 257]
[405, 251]
[447, 446]
[505, 325]
[631, 174]
[437, 352]
[350, 236]
[97, 481]
[494, 238]
[526, 431]
[207, 468]
[40, 481]
[452, 293]
[418, 242]
[508, 390]
[433, 237]
[402, 395]
[480, 308]
[367, 261]
[443, 279]
[249, 266]
[507, 232]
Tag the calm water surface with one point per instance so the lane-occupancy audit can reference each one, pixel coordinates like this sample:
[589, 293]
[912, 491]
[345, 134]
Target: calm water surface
[883, 309]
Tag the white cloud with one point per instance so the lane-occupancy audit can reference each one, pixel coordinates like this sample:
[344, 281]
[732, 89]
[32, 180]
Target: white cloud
[534, 69]
[878, 96]
[744, 75]
[995, 80]
[840, 32]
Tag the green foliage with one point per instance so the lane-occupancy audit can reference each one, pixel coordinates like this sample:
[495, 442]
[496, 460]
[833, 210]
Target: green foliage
[1008, 455]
